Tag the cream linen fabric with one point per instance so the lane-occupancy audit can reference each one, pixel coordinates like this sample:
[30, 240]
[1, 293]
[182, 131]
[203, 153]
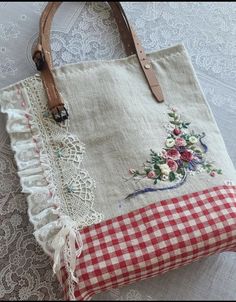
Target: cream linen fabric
[113, 112]
[91, 28]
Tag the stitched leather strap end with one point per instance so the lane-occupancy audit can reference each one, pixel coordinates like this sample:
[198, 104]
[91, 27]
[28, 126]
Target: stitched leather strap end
[157, 92]
[43, 61]
[38, 57]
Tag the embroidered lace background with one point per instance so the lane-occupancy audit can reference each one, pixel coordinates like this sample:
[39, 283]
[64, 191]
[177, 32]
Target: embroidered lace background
[90, 33]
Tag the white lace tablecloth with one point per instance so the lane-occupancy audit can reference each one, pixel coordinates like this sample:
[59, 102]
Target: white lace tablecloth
[87, 31]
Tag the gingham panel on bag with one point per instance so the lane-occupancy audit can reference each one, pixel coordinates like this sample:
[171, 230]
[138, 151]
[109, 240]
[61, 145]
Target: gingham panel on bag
[155, 239]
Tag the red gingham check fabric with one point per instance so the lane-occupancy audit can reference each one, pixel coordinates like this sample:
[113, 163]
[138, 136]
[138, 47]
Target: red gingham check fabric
[155, 239]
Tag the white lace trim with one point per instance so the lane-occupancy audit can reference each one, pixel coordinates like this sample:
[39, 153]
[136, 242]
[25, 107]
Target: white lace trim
[49, 160]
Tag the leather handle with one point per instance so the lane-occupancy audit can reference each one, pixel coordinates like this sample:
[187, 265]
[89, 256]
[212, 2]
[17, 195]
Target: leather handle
[50, 10]
[43, 60]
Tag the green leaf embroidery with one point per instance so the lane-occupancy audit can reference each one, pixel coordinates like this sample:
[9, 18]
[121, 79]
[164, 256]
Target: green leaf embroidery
[157, 170]
[195, 154]
[147, 170]
[172, 176]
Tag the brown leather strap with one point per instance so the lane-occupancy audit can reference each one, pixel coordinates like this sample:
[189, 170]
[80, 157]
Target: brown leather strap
[43, 60]
[144, 62]
[47, 17]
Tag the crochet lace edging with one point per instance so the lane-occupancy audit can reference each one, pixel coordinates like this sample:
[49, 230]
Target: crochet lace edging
[56, 231]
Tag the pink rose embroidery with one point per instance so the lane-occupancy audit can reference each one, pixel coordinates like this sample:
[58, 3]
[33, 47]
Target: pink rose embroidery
[173, 154]
[187, 156]
[172, 165]
[213, 173]
[151, 174]
[183, 152]
[177, 131]
[179, 141]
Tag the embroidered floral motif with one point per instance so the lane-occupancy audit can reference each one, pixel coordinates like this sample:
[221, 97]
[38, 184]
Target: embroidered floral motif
[184, 152]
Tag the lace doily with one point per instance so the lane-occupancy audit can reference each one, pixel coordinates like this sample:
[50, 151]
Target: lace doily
[49, 160]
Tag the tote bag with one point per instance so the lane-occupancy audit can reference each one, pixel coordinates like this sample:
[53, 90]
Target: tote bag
[126, 173]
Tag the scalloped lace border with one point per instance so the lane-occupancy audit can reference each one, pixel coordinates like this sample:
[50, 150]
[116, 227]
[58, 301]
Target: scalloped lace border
[49, 160]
